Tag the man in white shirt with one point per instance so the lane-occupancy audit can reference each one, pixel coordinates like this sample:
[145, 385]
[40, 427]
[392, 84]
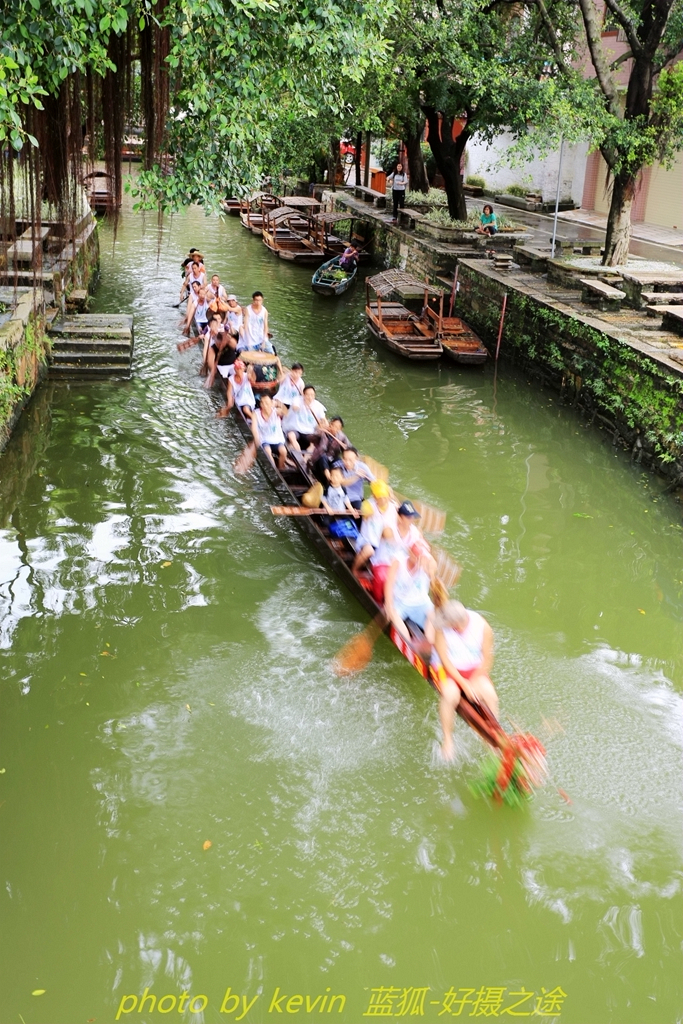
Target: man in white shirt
[254, 330]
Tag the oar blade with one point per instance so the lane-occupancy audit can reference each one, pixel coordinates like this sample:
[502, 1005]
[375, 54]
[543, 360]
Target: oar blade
[357, 652]
[432, 520]
[447, 570]
[183, 346]
[379, 471]
[246, 460]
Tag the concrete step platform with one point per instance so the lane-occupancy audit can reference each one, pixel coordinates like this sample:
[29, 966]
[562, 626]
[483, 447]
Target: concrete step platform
[91, 345]
[662, 298]
[91, 358]
[88, 373]
[672, 318]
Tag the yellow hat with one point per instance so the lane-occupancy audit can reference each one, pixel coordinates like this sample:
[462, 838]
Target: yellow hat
[366, 509]
[379, 489]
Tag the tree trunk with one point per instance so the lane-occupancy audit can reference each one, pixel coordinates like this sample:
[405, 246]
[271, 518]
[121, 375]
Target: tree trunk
[359, 147]
[448, 154]
[366, 175]
[619, 221]
[416, 165]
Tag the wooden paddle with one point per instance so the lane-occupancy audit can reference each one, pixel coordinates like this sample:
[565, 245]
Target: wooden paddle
[246, 460]
[357, 652]
[433, 519]
[183, 346]
[298, 510]
[379, 471]
[447, 570]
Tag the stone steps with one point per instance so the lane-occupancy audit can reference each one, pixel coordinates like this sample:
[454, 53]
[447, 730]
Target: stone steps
[91, 345]
[662, 298]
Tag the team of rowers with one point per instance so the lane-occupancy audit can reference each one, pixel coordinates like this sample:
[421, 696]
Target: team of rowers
[293, 425]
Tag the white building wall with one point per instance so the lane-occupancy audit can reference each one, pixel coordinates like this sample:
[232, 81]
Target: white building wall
[538, 175]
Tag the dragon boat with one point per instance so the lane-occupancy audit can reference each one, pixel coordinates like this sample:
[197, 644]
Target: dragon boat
[520, 762]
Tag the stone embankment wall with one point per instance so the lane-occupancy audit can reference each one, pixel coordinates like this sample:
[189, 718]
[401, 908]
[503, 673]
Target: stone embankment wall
[24, 343]
[635, 397]
[638, 398]
[24, 351]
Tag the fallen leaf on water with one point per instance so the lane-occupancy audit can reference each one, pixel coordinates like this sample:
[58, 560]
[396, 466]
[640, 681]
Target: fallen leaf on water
[83, 674]
[582, 515]
[106, 645]
[2, 771]
[38, 992]
[105, 654]
[165, 565]
[207, 844]
[211, 705]
[188, 708]
[641, 611]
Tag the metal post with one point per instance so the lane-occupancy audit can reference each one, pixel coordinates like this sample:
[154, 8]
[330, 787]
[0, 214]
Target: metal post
[557, 199]
[500, 327]
[455, 289]
[366, 175]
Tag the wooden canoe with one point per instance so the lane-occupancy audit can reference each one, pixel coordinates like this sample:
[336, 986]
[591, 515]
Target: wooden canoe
[339, 555]
[409, 334]
[280, 235]
[459, 341]
[327, 280]
[232, 206]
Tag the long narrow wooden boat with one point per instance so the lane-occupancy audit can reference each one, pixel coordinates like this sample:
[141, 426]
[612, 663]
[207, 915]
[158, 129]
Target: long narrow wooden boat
[331, 279]
[253, 209]
[459, 341]
[320, 231]
[290, 485]
[232, 206]
[281, 238]
[411, 335]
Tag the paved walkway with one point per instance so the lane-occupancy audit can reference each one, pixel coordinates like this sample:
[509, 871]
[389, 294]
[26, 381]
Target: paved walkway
[643, 232]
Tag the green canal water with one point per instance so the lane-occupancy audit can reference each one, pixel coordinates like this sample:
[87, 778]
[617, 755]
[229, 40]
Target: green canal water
[165, 653]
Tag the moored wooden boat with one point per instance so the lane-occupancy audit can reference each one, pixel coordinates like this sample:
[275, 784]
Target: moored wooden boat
[321, 231]
[330, 279]
[281, 238]
[232, 206]
[461, 344]
[411, 335]
[253, 209]
[459, 341]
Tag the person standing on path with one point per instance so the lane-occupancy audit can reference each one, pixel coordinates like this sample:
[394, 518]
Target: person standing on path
[399, 184]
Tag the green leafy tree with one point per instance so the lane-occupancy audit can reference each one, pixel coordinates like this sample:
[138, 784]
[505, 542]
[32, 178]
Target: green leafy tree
[477, 67]
[645, 124]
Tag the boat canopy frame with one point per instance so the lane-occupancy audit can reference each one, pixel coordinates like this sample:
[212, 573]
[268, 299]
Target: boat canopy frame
[396, 281]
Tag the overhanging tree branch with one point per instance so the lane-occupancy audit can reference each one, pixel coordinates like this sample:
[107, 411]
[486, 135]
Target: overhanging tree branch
[551, 33]
[627, 25]
[620, 60]
[602, 70]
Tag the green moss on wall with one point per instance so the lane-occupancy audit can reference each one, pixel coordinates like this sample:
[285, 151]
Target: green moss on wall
[637, 395]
